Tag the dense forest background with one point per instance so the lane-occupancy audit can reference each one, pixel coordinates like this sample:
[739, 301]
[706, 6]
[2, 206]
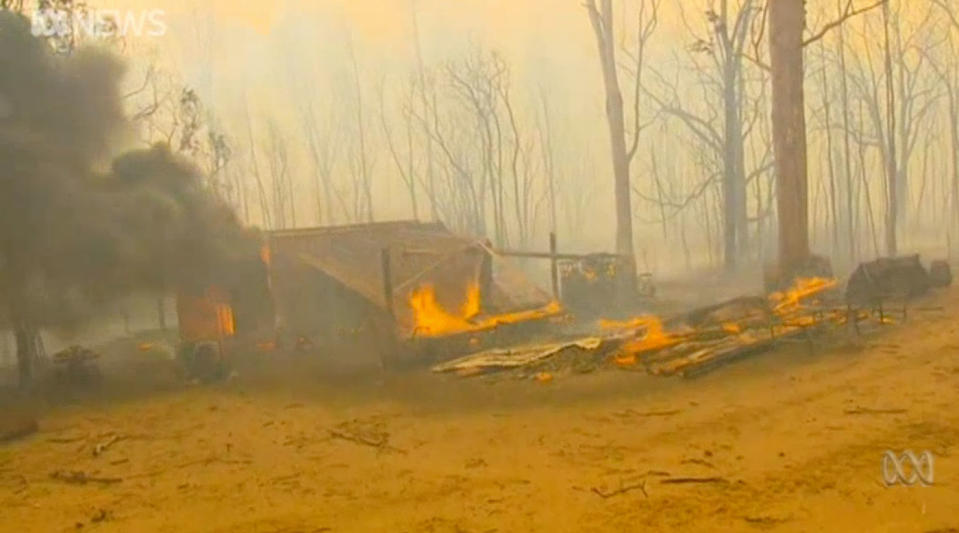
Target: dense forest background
[489, 116]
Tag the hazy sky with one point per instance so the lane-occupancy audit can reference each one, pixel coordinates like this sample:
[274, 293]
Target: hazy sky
[266, 54]
[261, 52]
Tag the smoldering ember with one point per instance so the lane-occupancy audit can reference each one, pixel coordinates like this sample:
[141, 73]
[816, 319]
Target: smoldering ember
[419, 265]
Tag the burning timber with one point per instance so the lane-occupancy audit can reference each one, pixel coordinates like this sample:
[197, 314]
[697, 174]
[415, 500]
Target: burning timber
[415, 291]
[689, 344]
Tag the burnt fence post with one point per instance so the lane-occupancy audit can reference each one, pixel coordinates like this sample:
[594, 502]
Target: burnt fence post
[553, 268]
[387, 281]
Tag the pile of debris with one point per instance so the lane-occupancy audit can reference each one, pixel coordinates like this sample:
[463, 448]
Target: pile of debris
[700, 340]
[706, 338]
[535, 360]
[684, 345]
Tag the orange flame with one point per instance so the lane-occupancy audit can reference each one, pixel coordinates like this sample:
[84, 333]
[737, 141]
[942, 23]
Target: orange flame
[732, 328]
[432, 320]
[266, 346]
[790, 300]
[651, 336]
[655, 337]
[225, 320]
[206, 317]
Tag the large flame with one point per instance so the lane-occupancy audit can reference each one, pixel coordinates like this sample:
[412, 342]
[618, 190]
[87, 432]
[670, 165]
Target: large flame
[431, 319]
[655, 336]
[651, 336]
[790, 300]
[206, 317]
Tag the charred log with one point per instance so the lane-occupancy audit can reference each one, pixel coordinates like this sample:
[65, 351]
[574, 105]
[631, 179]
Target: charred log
[745, 309]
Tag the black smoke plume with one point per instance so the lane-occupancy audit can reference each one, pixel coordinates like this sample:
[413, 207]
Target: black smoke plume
[80, 225]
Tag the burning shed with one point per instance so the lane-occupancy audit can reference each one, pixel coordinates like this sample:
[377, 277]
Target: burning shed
[392, 279]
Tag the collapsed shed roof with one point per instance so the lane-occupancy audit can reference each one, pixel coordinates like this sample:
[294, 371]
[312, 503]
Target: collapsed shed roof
[352, 255]
[419, 254]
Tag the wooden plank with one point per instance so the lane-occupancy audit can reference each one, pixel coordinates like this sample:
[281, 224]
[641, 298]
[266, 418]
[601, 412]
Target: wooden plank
[516, 357]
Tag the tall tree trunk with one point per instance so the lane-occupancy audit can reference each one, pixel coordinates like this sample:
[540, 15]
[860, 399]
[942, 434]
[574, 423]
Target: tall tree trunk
[892, 188]
[161, 312]
[786, 24]
[735, 224]
[864, 184]
[26, 336]
[364, 171]
[954, 158]
[834, 211]
[602, 22]
[25, 331]
[428, 139]
[851, 214]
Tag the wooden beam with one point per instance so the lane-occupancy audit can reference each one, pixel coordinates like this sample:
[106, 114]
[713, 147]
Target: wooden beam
[548, 255]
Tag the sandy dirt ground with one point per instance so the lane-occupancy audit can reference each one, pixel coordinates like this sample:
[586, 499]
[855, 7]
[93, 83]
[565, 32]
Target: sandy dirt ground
[787, 441]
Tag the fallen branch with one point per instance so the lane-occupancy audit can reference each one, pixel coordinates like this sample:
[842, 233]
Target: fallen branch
[622, 490]
[646, 414]
[76, 477]
[66, 440]
[380, 444]
[205, 461]
[103, 446]
[659, 413]
[869, 411]
[765, 521]
[690, 480]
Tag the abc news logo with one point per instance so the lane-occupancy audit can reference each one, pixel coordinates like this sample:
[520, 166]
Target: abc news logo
[907, 468]
[98, 23]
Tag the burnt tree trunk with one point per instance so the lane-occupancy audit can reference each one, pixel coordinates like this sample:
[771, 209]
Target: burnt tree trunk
[18, 311]
[892, 200]
[736, 224]
[26, 352]
[851, 213]
[786, 24]
[954, 157]
[602, 22]
[833, 209]
[161, 312]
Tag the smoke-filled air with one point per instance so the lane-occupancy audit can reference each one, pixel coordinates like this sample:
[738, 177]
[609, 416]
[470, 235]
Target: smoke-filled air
[478, 265]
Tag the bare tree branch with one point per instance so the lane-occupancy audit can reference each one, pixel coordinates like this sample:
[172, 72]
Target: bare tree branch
[850, 13]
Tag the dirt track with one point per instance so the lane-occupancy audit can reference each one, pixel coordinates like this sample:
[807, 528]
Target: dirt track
[792, 441]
